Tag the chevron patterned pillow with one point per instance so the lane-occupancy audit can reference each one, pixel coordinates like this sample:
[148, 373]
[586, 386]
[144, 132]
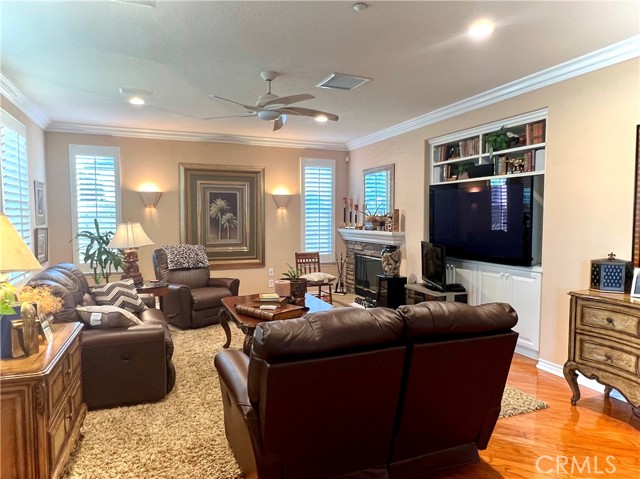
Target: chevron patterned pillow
[121, 294]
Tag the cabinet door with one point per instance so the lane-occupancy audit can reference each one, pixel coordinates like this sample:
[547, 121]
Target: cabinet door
[523, 293]
[465, 274]
[492, 286]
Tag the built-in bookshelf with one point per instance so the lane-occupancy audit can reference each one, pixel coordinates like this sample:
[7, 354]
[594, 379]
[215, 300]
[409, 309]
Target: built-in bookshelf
[515, 146]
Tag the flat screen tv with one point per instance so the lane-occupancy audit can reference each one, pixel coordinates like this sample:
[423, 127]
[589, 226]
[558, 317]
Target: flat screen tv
[434, 267]
[497, 220]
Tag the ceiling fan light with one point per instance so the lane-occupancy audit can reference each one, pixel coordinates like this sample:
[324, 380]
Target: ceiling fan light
[321, 118]
[268, 115]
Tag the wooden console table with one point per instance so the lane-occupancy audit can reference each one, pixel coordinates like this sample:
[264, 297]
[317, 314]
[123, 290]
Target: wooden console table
[41, 407]
[604, 343]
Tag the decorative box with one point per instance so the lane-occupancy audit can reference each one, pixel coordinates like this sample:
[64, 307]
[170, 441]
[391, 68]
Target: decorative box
[611, 275]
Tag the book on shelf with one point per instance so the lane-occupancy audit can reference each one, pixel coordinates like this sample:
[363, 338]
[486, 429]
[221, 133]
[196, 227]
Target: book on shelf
[287, 311]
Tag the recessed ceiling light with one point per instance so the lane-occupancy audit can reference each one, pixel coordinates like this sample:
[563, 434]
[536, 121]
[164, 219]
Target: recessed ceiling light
[481, 29]
[136, 100]
[358, 7]
[321, 118]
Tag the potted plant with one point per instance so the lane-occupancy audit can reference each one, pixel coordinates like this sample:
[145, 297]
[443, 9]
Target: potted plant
[98, 255]
[298, 285]
[463, 170]
[499, 140]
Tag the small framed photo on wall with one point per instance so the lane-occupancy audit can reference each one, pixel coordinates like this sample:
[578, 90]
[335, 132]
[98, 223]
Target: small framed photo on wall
[635, 285]
[42, 244]
[41, 215]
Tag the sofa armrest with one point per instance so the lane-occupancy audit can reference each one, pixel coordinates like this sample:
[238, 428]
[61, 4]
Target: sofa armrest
[177, 305]
[232, 284]
[233, 368]
[124, 365]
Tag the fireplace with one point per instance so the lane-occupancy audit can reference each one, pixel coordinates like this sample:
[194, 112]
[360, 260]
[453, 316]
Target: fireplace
[367, 268]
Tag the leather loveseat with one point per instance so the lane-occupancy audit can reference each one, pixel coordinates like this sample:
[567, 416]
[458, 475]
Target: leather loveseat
[194, 299]
[120, 366]
[352, 393]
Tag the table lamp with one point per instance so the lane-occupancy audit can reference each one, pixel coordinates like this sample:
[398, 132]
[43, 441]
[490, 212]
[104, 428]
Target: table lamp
[15, 256]
[129, 237]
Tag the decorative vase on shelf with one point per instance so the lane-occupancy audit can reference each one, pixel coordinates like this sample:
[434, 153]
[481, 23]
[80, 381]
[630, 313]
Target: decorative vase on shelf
[391, 258]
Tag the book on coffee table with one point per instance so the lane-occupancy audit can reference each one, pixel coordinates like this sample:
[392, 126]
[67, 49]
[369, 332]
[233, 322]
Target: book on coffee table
[286, 311]
[272, 298]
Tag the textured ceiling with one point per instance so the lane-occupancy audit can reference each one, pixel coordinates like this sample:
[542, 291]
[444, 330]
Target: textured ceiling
[70, 58]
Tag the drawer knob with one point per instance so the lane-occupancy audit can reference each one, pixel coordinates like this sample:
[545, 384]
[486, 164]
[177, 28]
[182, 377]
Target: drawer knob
[609, 321]
[125, 357]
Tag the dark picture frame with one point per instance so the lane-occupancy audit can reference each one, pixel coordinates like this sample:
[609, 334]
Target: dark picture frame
[41, 244]
[39, 203]
[635, 284]
[222, 208]
[636, 206]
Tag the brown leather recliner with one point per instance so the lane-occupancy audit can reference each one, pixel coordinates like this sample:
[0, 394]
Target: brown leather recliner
[194, 299]
[352, 393]
[120, 366]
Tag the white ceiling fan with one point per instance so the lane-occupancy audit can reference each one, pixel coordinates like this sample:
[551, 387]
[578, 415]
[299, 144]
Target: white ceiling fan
[270, 107]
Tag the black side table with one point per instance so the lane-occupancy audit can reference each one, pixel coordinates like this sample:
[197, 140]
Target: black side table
[391, 292]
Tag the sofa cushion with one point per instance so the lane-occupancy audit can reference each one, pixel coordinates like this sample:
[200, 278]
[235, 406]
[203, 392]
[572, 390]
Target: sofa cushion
[208, 298]
[122, 294]
[107, 317]
[180, 256]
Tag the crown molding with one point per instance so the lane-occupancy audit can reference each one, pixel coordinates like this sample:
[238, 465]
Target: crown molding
[616, 53]
[187, 136]
[15, 96]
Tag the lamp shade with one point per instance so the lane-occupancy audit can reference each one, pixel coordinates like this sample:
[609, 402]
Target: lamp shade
[129, 235]
[15, 255]
[282, 201]
[150, 198]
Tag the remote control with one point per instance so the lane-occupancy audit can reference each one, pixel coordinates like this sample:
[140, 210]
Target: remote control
[268, 306]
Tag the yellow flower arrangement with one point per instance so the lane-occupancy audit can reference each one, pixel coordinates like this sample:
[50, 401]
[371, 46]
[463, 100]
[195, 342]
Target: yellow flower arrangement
[43, 297]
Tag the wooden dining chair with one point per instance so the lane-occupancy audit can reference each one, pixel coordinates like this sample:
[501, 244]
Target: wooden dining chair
[307, 263]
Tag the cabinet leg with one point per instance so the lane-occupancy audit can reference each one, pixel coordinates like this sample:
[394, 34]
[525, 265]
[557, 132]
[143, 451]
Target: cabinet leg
[607, 391]
[223, 318]
[571, 376]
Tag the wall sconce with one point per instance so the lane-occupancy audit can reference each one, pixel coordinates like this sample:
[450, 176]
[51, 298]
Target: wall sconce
[282, 201]
[150, 198]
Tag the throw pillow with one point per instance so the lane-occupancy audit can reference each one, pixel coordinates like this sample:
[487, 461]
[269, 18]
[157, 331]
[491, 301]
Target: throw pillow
[324, 277]
[106, 317]
[121, 294]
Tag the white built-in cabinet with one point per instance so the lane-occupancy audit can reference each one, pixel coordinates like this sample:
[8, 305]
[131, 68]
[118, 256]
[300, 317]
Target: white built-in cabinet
[520, 287]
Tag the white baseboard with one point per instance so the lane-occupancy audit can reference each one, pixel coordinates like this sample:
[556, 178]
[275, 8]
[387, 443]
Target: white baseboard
[556, 370]
[525, 351]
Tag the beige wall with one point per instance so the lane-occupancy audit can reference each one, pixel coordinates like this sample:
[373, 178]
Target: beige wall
[35, 154]
[157, 161]
[589, 181]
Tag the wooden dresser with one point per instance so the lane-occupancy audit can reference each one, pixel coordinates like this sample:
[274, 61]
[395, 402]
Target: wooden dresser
[604, 343]
[41, 407]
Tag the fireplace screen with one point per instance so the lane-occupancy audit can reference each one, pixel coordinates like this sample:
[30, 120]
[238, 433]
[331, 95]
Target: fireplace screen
[367, 268]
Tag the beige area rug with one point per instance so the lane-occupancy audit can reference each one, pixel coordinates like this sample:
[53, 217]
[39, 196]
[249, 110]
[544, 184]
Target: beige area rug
[183, 435]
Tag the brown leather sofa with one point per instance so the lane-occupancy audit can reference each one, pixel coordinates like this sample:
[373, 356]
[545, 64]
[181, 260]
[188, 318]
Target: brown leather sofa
[120, 365]
[377, 393]
[194, 299]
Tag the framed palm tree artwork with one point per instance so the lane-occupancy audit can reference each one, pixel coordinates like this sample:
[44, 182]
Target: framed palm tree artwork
[222, 208]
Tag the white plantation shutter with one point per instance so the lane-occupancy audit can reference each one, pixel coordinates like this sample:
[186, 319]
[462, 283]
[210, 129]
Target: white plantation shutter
[318, 218]
[376, 192]
[14, 176]
[95, 183]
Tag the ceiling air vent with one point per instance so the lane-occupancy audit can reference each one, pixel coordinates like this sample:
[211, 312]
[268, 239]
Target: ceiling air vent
[339, 81]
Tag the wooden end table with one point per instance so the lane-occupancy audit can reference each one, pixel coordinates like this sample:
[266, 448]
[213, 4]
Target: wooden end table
[158, 290]
[247, 324]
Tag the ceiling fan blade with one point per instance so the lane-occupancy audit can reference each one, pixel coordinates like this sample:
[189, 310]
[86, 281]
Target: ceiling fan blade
[251, 115]
[287, 100]
[279, 122]
[293, 110]
[246, 107]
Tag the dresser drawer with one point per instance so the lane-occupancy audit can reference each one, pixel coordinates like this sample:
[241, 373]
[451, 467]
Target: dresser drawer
[609, 320]
[62, 423]
[591, 352]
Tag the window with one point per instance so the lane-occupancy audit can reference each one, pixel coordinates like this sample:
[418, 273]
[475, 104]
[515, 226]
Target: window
[95, 185]
[318, 222]
[378, 190]
[14, 185]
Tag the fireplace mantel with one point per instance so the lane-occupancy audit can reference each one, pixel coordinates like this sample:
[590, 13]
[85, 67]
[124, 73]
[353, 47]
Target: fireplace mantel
[395, 238]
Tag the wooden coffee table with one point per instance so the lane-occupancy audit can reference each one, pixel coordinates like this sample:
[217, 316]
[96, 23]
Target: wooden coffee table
[247, 324]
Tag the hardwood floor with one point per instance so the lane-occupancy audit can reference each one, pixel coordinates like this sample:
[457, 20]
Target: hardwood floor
[599, 437]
